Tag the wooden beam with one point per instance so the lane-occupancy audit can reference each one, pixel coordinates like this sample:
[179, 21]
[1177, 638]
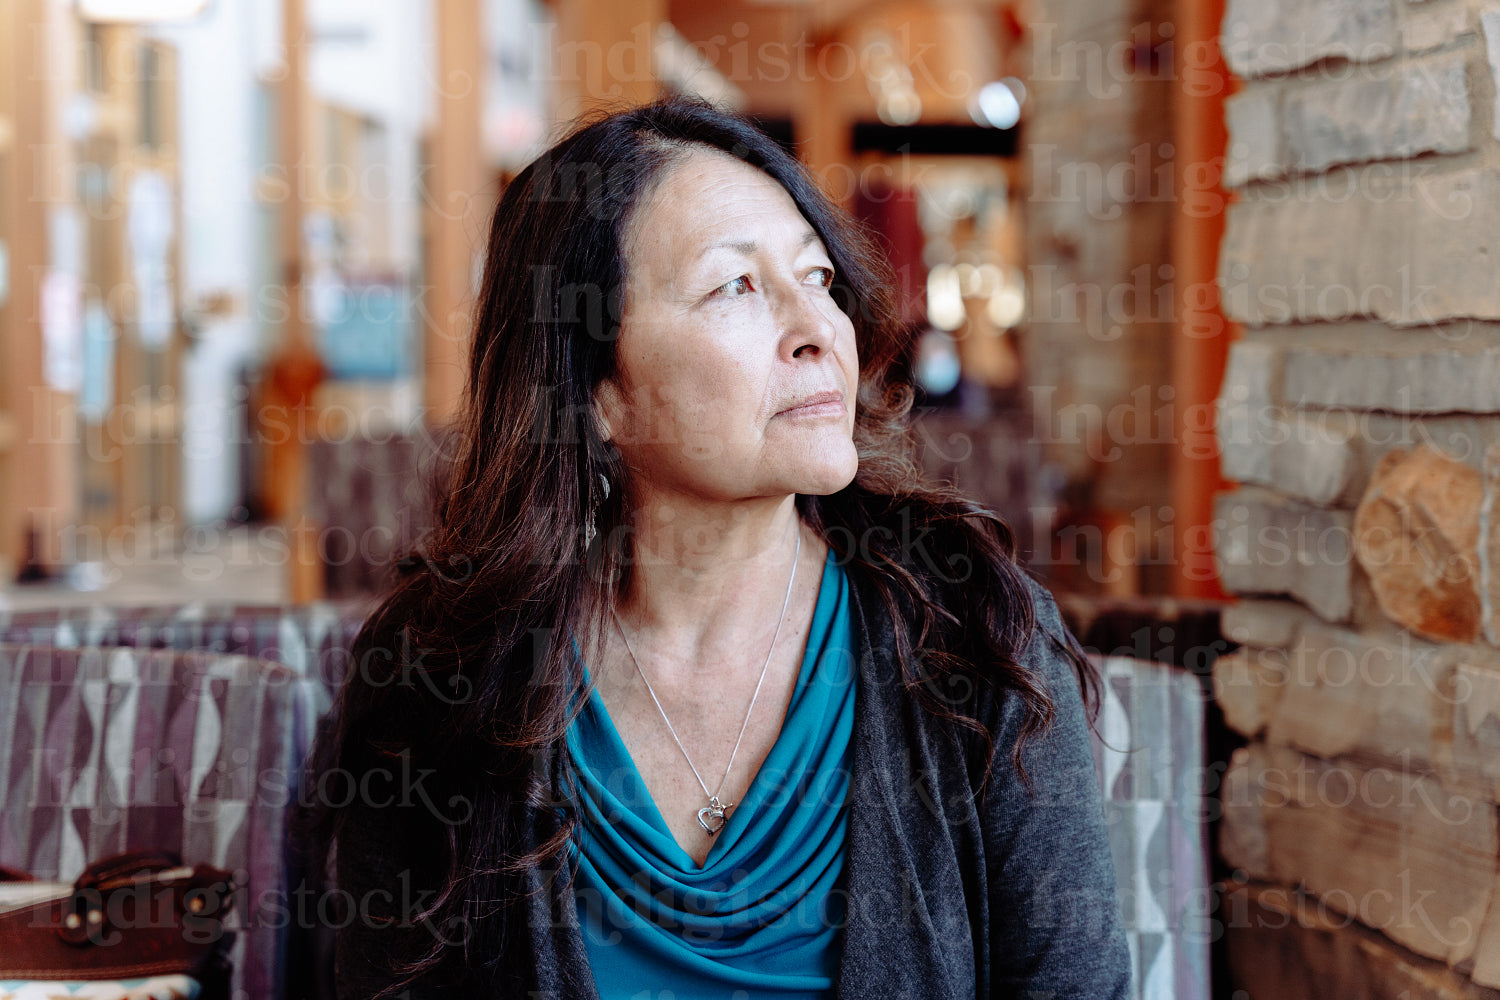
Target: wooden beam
[110, 465]
[1198, 359]
[457, 199]
[294, 368]
[604, 54]
[292, 142]
[38, 495]
[824, 129]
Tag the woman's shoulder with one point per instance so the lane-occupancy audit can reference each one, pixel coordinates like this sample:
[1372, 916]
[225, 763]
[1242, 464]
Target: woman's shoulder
[1051, 641]
[1004, 646]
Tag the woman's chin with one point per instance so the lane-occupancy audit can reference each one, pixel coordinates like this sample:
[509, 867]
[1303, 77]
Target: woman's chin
[830, 477]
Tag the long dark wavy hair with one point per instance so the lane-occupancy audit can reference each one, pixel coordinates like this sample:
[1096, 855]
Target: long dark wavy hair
[464, 673]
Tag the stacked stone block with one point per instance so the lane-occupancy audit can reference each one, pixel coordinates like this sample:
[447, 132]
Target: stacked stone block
[1360, 416]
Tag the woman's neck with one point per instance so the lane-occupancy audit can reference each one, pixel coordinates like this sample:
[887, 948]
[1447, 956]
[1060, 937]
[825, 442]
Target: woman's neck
[712, 578]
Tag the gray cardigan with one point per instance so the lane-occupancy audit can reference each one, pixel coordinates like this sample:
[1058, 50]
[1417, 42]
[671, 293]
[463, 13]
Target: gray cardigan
[946, 897]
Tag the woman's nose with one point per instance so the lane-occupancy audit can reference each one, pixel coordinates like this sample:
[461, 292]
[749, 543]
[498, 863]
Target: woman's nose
[806, 330]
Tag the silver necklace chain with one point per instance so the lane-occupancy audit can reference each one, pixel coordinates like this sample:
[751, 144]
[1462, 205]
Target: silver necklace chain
[715, 809]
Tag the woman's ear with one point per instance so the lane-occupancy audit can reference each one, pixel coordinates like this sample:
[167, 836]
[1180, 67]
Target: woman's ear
[606, 408]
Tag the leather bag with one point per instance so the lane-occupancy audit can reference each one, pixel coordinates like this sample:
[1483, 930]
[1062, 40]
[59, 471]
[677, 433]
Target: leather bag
[141, 913]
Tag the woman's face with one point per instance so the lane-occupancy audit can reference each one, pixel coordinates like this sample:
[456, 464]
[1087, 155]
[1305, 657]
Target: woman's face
[737, 371]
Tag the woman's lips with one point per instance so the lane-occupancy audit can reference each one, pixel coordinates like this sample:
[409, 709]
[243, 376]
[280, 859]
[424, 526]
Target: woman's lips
[821, 405]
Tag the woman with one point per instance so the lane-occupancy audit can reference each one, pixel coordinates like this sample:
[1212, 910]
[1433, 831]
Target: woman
[698, 689]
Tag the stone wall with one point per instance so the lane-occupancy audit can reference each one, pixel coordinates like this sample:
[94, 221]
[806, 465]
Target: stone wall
[1360, 416]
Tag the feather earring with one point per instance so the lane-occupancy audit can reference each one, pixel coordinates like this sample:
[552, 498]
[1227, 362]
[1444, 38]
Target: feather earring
[590, 530]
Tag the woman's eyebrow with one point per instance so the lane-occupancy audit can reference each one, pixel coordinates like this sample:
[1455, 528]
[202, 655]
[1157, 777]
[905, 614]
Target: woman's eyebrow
[745, 248]
[748, 248]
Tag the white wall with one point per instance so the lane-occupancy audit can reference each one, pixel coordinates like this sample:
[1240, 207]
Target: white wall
[216, 171]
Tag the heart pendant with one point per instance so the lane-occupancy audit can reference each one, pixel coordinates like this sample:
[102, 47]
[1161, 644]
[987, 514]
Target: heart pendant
[713, 811]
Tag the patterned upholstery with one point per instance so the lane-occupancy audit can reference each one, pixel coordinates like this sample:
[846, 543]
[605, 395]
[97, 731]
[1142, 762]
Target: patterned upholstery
[1151, 773]
[109, 749]
[312, 639]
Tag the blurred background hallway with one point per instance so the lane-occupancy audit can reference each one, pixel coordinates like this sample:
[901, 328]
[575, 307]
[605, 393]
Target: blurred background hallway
[1201, 298]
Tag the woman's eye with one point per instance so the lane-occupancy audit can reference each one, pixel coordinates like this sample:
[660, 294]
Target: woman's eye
[824, 276]
[739, 286]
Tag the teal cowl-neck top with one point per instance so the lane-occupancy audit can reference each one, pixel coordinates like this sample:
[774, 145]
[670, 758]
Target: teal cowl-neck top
[762, 917]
